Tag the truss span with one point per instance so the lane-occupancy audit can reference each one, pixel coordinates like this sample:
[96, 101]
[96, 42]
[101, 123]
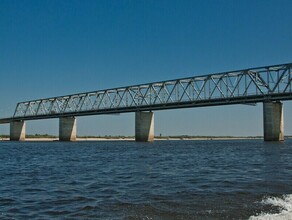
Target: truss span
[270, 83]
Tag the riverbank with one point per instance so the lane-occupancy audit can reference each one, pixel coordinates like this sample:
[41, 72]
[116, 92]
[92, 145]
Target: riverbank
[133, 139]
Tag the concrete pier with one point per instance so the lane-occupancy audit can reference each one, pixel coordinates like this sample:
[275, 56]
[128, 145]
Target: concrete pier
[17, 131]
[273, 121]
[67, 129]
[144, 126]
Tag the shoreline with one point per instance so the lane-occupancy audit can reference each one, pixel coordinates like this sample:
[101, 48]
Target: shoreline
[155, 139]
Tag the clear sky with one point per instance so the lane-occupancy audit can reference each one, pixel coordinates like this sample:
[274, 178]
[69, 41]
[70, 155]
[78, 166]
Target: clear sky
[55, 47]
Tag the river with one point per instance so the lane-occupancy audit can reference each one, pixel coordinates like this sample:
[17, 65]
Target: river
[219, 179]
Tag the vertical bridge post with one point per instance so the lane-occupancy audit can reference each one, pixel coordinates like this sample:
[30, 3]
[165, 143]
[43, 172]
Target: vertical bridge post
[144, 126]
[67, 129]
[273, 121]
[17, 131]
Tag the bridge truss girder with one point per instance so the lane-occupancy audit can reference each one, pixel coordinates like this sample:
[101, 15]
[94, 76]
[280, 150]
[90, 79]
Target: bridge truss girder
[269, 83]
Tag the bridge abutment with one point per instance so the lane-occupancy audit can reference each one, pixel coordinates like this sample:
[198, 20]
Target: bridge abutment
[17, 131]
[67, 129]
[144, 126]
[273, 121]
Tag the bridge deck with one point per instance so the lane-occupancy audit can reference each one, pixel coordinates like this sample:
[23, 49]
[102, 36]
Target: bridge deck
[269, 83]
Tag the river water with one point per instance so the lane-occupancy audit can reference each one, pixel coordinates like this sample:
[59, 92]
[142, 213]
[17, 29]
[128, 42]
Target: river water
[234, 179]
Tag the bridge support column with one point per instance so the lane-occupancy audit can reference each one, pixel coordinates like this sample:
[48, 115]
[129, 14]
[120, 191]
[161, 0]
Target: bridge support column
[17, 131]
[144, 126]
[273, 121]
[67, 129]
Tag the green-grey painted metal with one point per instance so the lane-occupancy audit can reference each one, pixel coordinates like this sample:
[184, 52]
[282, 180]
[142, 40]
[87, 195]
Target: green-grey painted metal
[269, 83]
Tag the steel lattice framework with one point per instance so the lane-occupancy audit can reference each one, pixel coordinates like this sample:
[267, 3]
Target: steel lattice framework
[270, 83]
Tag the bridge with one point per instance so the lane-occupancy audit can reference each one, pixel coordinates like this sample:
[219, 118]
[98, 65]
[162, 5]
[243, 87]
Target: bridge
[269, 85]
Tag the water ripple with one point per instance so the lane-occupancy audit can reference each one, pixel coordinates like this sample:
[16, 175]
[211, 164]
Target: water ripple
[128, 180]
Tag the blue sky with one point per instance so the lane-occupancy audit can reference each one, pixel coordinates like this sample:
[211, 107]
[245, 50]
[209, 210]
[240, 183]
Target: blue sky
[51, 48]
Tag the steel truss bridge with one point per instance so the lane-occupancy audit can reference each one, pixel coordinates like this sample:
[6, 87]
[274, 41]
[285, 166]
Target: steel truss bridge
[262, 84]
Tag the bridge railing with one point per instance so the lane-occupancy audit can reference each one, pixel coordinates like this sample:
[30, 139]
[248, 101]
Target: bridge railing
[189, 92]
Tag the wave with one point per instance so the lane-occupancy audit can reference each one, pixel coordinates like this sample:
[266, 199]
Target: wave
[285, 205]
